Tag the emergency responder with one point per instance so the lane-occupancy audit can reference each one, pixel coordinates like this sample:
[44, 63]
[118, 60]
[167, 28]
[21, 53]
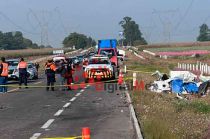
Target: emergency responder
[50, 70]
[68, 76]
[22, 67]
[62, 71]
[3, 75]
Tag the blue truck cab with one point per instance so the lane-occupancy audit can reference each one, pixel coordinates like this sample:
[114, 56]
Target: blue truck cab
[109, 47]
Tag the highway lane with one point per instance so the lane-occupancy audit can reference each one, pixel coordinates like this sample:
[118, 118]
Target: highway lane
[29, 112]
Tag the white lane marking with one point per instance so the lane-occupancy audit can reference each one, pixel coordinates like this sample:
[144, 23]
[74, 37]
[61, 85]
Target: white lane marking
[35, 136]
[12, 90]
[48, 123]
[73, 99]
[67, 105]
[78, 94]
[38, 82]
[82, 90]
[58, 112]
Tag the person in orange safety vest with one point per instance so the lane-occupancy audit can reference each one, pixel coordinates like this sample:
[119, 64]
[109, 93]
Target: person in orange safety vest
[22, 67]
[50, 70]
[3, 75]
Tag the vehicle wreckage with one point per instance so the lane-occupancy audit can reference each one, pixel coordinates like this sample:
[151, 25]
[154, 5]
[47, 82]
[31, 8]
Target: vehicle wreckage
[181, 83]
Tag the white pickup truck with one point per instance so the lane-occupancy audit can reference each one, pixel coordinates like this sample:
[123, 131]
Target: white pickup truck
[99, 67]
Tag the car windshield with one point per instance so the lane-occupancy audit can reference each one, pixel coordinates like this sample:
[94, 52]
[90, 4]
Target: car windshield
[107, 52]
[30, 66]
[13, 63]
[99, 61]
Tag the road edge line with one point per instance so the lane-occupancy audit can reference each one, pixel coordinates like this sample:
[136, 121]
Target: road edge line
[133, 115]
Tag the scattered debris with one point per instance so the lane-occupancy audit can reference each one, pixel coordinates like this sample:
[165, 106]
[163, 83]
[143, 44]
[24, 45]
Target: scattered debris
[180, 83]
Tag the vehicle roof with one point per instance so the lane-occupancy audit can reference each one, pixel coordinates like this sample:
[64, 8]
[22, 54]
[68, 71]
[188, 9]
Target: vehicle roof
[12, 60]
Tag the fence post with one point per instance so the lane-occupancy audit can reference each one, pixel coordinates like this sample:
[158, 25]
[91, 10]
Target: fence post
[125, 69]
[208, 70]
[200, 68]
[190, 67]
[134, 79]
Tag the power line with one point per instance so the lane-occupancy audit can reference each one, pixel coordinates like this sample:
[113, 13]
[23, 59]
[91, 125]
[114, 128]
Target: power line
[184, 16]
[17, 26]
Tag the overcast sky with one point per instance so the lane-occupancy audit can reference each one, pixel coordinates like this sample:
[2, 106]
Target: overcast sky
[159, 20]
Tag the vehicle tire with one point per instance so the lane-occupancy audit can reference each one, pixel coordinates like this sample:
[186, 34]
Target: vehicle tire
[35, 77]
[86, 80]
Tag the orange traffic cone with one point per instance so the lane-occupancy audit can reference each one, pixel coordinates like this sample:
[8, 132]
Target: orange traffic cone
[120, 79]
[85, 133]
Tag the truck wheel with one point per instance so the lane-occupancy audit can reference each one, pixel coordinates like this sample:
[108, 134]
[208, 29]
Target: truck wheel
[86, 80]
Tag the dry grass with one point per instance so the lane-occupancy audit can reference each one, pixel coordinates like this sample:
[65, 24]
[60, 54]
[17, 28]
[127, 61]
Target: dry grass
[27, 52]
[162, 116]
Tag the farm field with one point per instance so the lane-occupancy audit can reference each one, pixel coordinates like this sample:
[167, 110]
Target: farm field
[27, 52]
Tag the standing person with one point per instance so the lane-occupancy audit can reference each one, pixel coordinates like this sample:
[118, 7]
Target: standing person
[37, 68]
[22, 67]
[3, 75]
[63, 70]
[68, 75]
[50, 69]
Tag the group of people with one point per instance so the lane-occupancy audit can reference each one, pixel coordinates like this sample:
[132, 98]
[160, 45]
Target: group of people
[64, 69]
[4, 72]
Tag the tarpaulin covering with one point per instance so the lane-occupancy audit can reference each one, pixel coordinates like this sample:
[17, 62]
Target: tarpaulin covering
[191, 88]
[177, 86]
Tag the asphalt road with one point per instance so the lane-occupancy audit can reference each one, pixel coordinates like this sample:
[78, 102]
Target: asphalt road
[35, 113]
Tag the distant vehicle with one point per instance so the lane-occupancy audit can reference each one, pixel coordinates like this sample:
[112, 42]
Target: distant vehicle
[13, 63]
[99, 67]
[121, 54]
[109, 47]
[31, 70]
[80, 58]
[75, 60]
[90, 54]
[57, 60]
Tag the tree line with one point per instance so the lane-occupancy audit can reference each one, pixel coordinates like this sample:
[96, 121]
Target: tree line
[15, 41]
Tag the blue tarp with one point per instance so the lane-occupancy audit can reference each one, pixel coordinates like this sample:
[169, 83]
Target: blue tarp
[178, 86]
[191, 87]
[110, 43]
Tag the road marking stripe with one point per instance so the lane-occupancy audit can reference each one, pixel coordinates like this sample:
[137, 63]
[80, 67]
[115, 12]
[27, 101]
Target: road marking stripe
[73, 99]
[78, 94]
[35, 136]
[38, 82]
[48, 123]
[58, 112]
[12, 90]
[82, 90]
[67, 105]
